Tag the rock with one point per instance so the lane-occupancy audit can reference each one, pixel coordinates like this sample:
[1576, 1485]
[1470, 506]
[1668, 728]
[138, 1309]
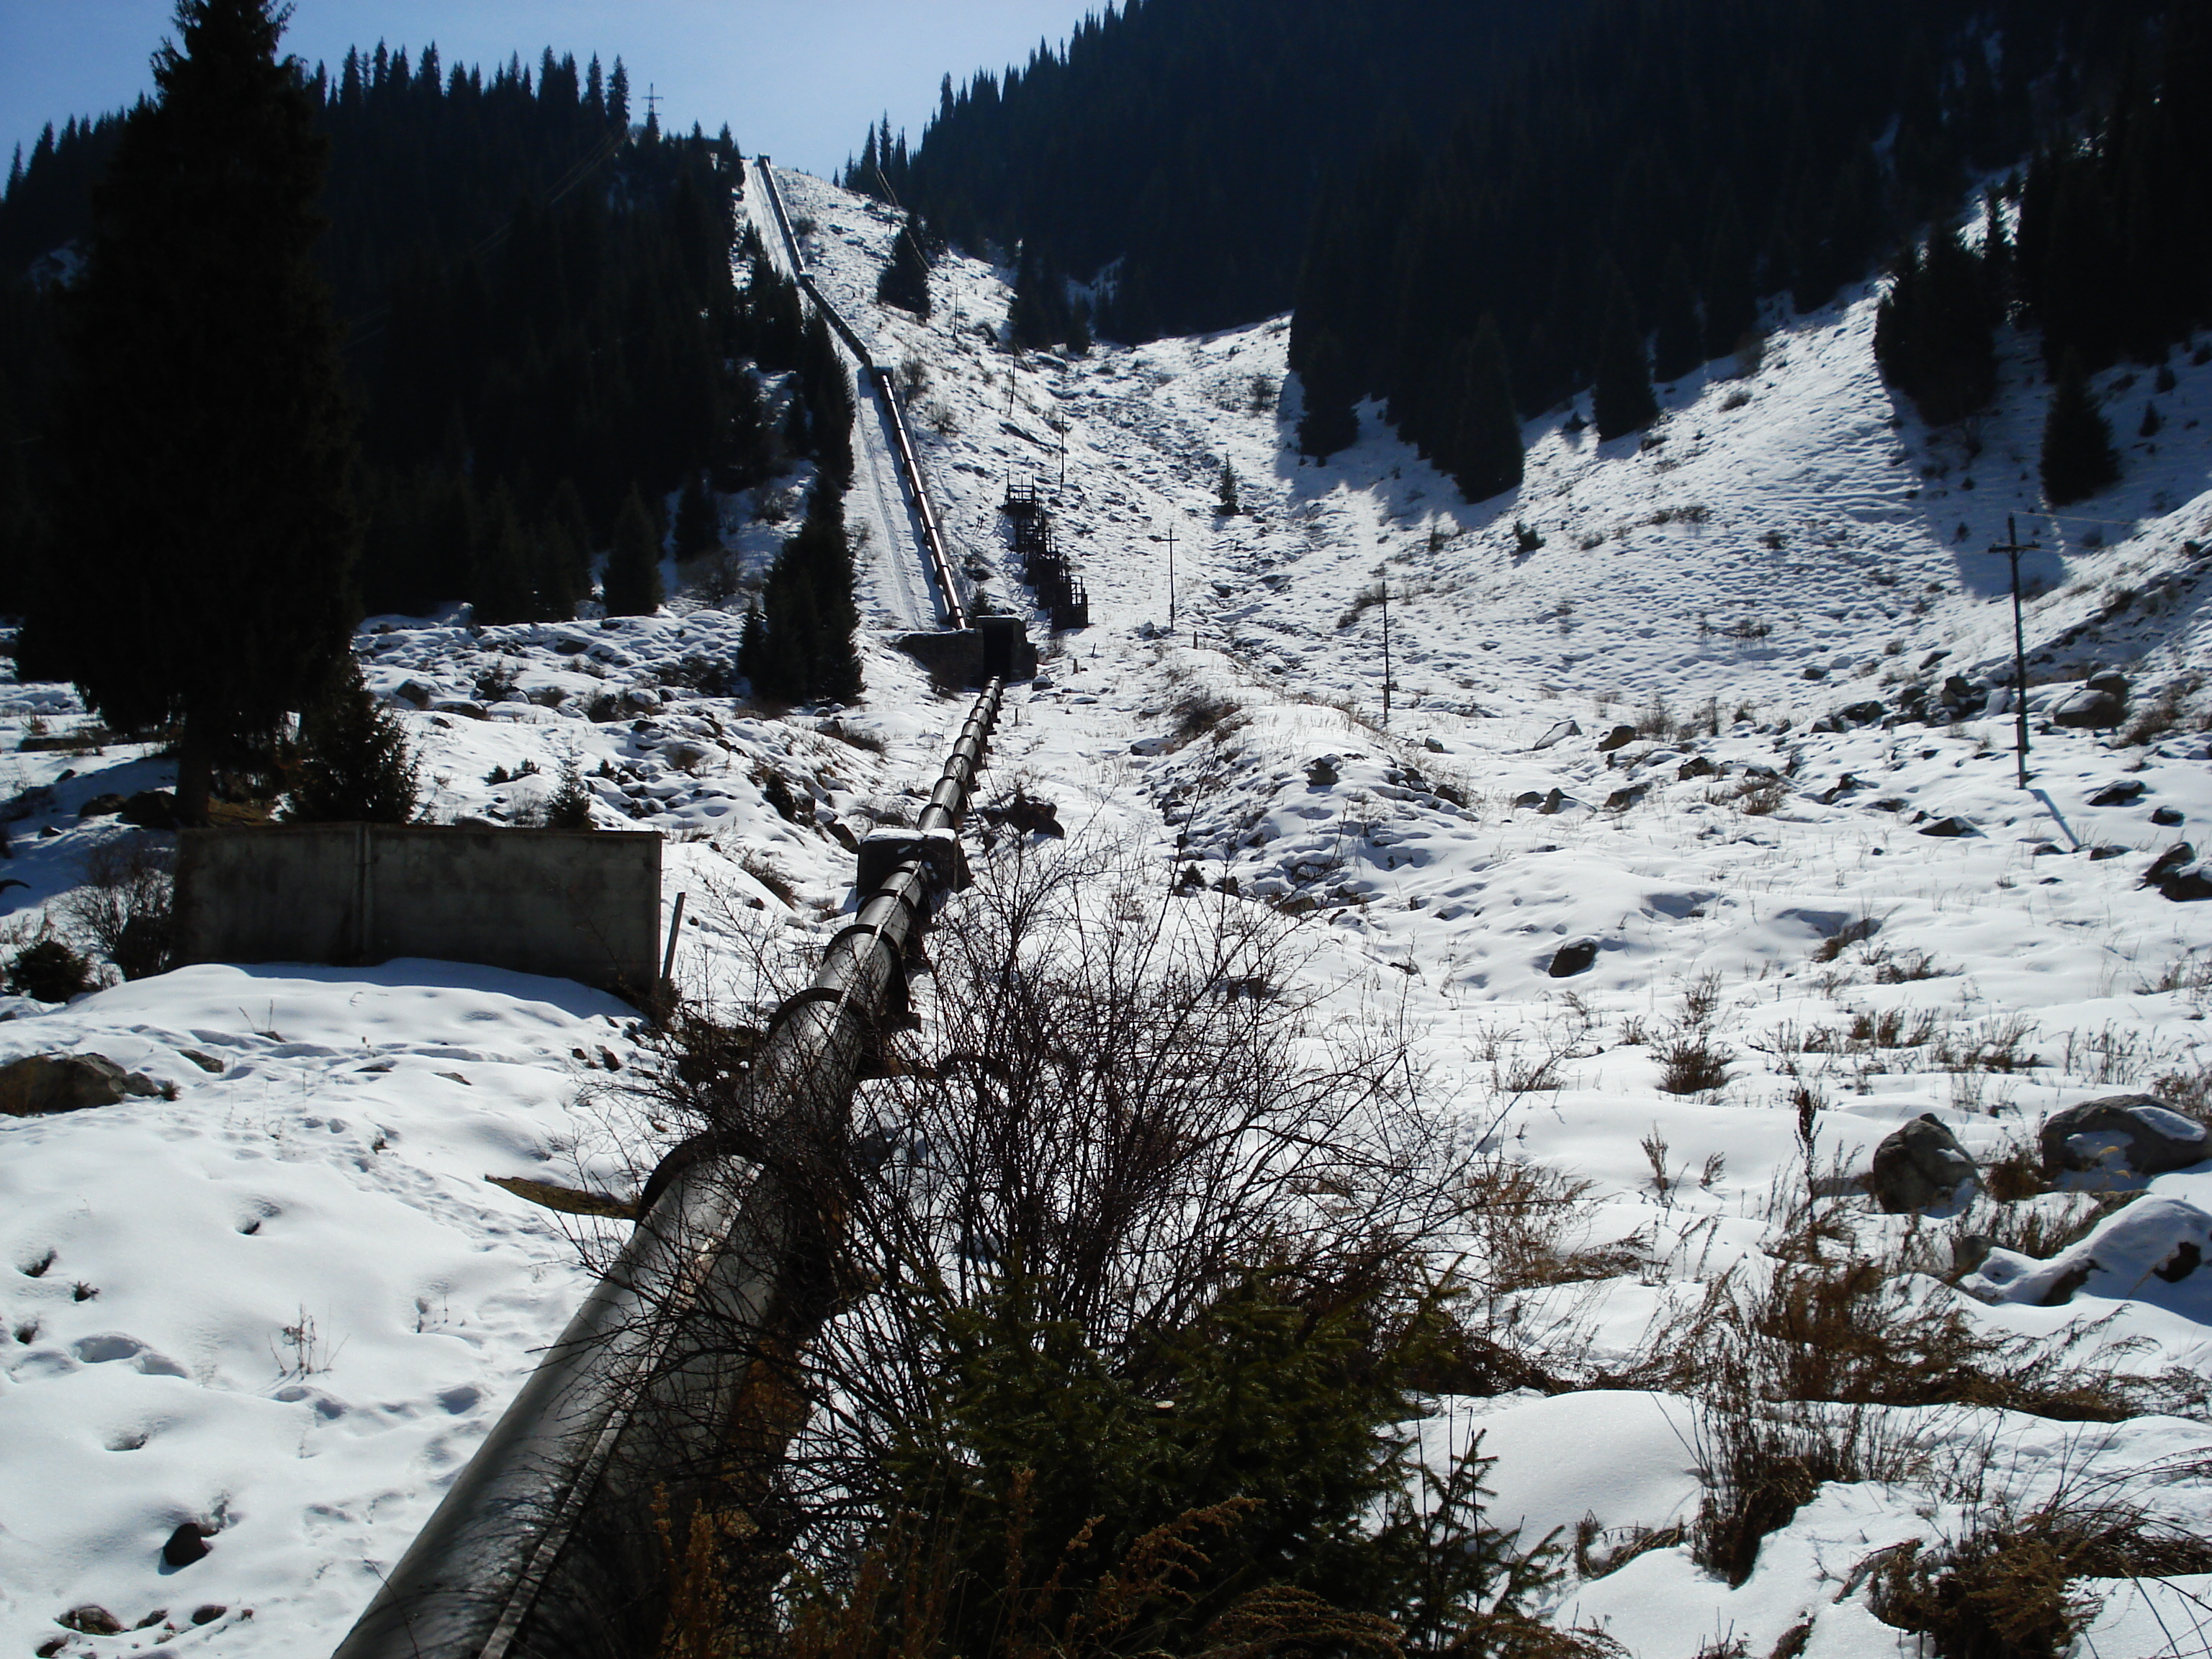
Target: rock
[2113, 684]
[2089, 710]
[2165, 816]
[91, 1620]
[1321, 771]
[464, 707]
[1862, 714]
[1554, 802]
[1952, 826]
[100, 806]
[2176, 873]
[1620, 738]
[2121, 1134]
[1527, 799]
[1432, 746]
[2124, 792]
[416, 692]
[1621, 799]
[208, 1614]
[1559, 733]
[205, 1062]
[1918, 1165]
[1698, 766]
[150, 809]
[2153, 1251]
[38, 1084]
[1573, 958]
[186, 1545]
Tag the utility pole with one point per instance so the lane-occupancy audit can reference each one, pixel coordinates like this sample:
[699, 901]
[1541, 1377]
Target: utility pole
[2012, 548]
[1170, 578]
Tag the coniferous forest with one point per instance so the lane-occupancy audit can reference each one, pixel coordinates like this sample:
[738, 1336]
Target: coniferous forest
[536, 314]
[1615, 186]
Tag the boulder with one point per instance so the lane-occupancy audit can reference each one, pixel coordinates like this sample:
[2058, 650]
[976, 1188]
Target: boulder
[2111, 683]
[416, 692]
[1559, 732]
[91, 1620]
[2166, 817]
[1573, 958]
[38, 1084]
[1862, 714]
[2154, 1250]
[100, 806]
[2176, 873]
[1698, 766]
[2089, 710]
[1321, 771]
[2122, 1135]
[186, 1545]
[1620, 738]
[1948, 827]
[2126, 792]
[1918, 1165]
[150, 809]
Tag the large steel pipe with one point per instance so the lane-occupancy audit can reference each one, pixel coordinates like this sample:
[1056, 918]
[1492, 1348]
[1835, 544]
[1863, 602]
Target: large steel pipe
[553, 1541]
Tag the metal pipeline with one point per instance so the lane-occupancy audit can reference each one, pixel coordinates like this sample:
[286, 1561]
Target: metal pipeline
[932, 535]
[554, 1540]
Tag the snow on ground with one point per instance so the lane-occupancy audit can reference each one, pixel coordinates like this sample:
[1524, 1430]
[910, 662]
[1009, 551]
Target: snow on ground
[1783, 545]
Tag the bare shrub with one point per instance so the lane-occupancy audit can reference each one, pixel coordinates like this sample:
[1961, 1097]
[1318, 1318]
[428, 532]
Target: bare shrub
[2008, 1589]
[1690, 1061]
[126, 905]
[1090, 1181]
[1199, 712]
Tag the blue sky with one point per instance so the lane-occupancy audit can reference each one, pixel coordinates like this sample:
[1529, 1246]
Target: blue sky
[800, 79]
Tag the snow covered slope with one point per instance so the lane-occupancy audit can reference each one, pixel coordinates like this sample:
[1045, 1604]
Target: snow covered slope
[1752, 870]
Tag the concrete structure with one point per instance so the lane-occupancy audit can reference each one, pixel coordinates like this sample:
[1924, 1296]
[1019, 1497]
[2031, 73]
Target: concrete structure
[572, 904]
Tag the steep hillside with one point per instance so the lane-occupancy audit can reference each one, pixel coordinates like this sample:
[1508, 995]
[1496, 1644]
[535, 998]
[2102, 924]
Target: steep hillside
[1808, 906]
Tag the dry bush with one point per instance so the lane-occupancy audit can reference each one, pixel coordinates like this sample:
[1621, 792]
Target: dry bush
[1690, 1061]
[1199, 712]
[126, 906]
[2008, 1588]
[1087, 1177]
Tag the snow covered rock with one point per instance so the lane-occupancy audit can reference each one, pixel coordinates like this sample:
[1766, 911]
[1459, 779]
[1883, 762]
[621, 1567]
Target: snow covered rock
[2122, 1135]
[2095, 706]
[38, 1084]
[1918, 1165]
[1620, 738]
[2152, 1251]
[2176, 873]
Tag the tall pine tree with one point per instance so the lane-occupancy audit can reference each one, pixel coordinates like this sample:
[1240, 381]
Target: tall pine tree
[204, 534]
[2078, 460]
[1487, 458]
[632, 584]
[1622, 402]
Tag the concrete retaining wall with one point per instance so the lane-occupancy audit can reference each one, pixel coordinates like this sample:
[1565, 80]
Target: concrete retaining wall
[572, 904]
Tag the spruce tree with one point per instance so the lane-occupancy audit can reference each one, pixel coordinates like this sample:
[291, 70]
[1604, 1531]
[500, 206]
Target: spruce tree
[1677, 345]
[1622, 402]
[1731, 290]
[355, 765]
[1329, 422]
[905, 281]
[204, 444]
[698, 527]
[2078, 460]
[1487, 455]
[632, 584]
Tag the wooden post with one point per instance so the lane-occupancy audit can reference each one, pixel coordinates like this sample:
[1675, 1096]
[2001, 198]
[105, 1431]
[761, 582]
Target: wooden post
[2012, 548]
